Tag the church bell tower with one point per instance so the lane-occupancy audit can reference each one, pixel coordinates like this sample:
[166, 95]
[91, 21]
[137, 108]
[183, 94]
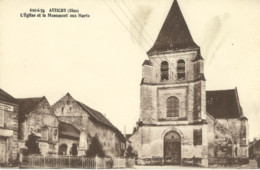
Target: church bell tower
[173, 83]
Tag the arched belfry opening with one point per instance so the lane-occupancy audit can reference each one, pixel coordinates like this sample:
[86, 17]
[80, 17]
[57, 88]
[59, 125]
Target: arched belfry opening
[172, 148]
[164, 70]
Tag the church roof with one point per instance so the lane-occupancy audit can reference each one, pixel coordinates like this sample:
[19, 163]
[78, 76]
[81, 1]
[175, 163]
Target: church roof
[5, 97]
[223, 104]
[174, 34]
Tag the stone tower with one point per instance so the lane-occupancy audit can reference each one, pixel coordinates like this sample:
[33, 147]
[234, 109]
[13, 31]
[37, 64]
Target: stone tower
[173, 108]
[174, 68]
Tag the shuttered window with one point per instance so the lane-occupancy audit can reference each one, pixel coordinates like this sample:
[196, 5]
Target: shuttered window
[164, 70]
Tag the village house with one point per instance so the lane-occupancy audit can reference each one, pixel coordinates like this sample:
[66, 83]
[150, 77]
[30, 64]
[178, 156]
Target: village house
[80, 123]
[179, 120]
[8, 128]
[37, 118]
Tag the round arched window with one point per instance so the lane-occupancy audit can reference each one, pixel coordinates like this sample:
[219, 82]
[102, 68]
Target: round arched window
[172, 105]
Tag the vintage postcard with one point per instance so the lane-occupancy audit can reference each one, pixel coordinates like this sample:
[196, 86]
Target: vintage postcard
[129, 84]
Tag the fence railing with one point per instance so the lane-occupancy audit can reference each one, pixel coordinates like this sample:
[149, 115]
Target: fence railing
[76, 162]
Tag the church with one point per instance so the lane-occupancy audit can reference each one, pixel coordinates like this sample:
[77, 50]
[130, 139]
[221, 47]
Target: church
[179, 120]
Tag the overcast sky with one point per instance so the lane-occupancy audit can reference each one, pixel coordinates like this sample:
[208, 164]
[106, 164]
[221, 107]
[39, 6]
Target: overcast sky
[98, 59]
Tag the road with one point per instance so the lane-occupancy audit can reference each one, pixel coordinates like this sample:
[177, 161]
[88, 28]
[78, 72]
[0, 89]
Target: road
[252, 165]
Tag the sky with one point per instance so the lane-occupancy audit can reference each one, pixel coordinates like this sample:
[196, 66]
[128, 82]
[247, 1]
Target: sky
[98, 59]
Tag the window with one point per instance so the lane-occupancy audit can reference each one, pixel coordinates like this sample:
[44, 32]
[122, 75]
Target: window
[197, 137]
[62, 110]
[55, 134]
[2, 118]
[164, 70]
[172, 105]
[44, 134]
[243, 136]
[181, 69]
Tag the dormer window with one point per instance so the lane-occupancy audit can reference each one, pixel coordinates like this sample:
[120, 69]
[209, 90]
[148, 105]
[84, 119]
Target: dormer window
[181, 69]
[164, 70]
[172, 106]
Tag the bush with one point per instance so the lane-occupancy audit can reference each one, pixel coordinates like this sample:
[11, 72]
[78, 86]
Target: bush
[130, 152]
[74, 150]
[95, 148]
[109, 163]
[32, 145]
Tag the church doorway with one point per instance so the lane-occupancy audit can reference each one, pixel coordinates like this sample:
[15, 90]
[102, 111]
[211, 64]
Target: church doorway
[172, 148]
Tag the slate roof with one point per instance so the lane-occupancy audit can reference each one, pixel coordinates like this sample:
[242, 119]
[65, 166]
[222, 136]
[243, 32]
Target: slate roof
[174, 34]
[67, 129]
[26, 105]
[223, 104]
[97, 115]
[5, 97]
[100, 118]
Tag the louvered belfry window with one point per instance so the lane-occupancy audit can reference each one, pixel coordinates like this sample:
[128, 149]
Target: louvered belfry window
[181, 69]
[172, 107]
[164, 70]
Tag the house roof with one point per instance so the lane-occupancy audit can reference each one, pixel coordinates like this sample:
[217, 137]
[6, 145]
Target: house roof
[174, 34]
[4, 96]
[67, 129]
[94, 115]
[26, 105]
[147, 62]
[100, 118]
[97, 115]
[223, 104]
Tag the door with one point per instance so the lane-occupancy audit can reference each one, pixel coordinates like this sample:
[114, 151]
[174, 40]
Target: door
[172, 148]
[2, 150]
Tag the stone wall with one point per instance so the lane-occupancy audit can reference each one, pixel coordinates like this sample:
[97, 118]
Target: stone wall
[172, 59]
[240, 130]
[220, 139]
[148, 141]
[191, 96]
[9, 130]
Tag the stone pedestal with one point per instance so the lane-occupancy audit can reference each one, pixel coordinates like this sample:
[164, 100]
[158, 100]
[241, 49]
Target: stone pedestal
[82, 151]
[83, 147]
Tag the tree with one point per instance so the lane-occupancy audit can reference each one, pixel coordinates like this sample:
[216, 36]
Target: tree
[74, 150]
[95, 148]
[32, 145]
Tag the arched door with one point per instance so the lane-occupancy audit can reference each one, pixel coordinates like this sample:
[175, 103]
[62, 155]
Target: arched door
[172, 148]
[63, 149]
